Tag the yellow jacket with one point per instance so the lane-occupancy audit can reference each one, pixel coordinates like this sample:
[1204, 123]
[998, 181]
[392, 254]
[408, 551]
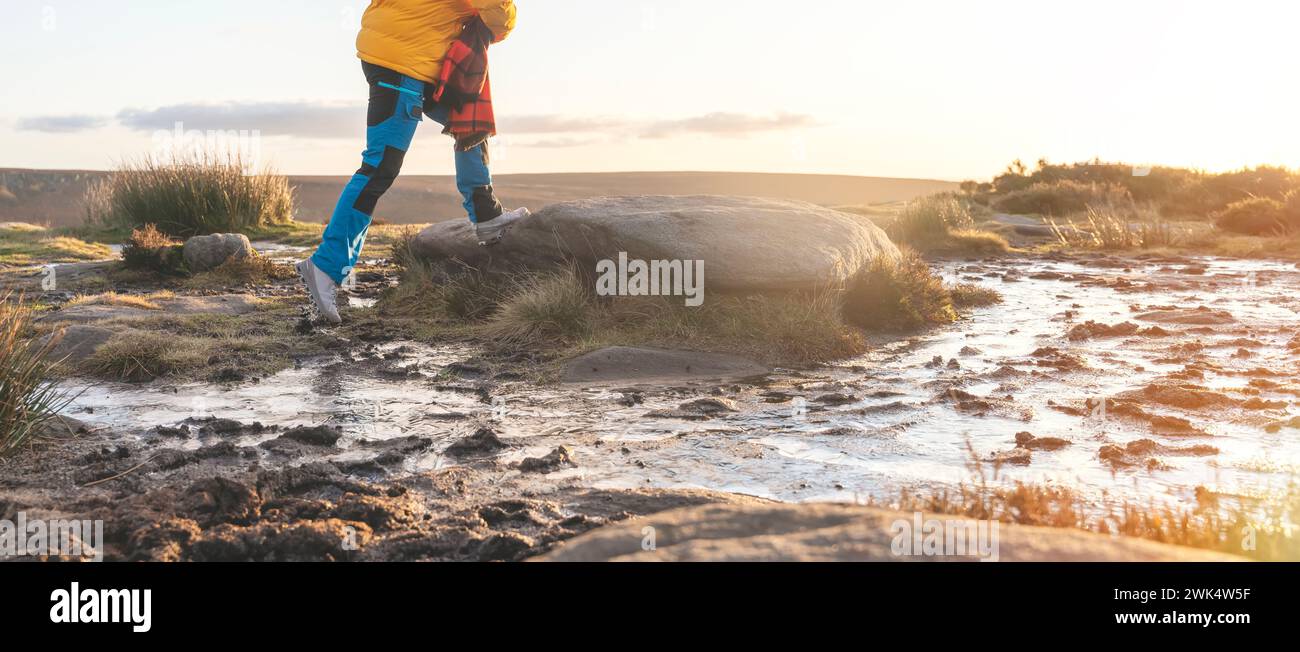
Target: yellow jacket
[412, 36]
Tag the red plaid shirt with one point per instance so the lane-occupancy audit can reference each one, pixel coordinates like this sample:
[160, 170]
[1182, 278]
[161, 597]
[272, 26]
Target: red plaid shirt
[463, 85]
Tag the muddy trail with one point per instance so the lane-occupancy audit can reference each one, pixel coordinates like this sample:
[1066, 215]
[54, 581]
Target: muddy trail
[1146, 380]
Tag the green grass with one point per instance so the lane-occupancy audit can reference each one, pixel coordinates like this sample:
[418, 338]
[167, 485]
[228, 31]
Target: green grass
[547, 307]
[191, 195]
[29, 395]
[141, 357]
[27, 245]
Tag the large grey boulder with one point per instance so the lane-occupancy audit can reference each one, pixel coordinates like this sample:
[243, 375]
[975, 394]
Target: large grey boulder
[204, 253]
[773, 532]
[746, 243]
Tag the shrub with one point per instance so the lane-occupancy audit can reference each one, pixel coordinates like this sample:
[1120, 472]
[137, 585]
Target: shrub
[1061, 198]
[897, 295]
[28, 398]
[1255, 216]
[148, 249]
[191, 195]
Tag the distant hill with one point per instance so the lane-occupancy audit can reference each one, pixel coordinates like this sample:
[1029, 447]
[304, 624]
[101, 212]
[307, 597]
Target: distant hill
[54, 196]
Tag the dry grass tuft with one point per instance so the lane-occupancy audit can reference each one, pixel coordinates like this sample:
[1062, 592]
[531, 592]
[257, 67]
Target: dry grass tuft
[1119, 227]
[944, 223]
[115, 299]
[1211, 525]
[28, 397]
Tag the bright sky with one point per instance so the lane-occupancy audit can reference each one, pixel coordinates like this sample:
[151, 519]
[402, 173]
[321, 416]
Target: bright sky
[947, 89]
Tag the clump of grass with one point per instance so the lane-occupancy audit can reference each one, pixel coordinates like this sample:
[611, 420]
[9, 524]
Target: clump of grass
[468, 296]
[138, 357]
[29, 398]
[897, 295]
[972, 295]
[546, 307]
[930, 218]
[149, 249]
[974, 242]
[1118, 227]
[943, 223]
[193, 194]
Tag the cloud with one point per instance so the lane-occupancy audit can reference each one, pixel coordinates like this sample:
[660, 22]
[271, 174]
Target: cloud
[298, 119]
[731, 125]
[62, 124]
[558, 124]
[578, 131]
[563, 142]
[333, 120]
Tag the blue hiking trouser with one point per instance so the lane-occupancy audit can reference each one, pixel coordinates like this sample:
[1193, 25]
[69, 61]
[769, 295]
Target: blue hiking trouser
[397, 104]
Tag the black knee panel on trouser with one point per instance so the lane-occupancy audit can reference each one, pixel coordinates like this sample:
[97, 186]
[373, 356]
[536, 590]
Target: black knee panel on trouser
[486, 206]
[381, 179]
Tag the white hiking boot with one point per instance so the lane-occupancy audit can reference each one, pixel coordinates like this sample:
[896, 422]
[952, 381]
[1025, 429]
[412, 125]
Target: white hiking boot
[493, 231]
[322, 289]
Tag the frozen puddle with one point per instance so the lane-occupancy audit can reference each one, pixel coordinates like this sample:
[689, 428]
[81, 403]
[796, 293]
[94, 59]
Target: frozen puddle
[872, 425]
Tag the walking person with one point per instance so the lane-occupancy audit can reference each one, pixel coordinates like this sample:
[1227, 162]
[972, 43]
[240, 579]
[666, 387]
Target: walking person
[420, 58]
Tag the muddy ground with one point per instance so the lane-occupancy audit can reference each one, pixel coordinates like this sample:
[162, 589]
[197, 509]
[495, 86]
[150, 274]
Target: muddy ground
[1149, 379]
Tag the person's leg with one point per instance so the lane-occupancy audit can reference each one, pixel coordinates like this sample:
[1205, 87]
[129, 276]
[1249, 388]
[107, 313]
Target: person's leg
[474, 181]
[473, 176]
[391, 122]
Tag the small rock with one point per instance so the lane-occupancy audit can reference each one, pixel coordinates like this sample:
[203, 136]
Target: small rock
[484, 441]
[553, 461]
[1028, 441]
[205, 253]
[314, 435]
